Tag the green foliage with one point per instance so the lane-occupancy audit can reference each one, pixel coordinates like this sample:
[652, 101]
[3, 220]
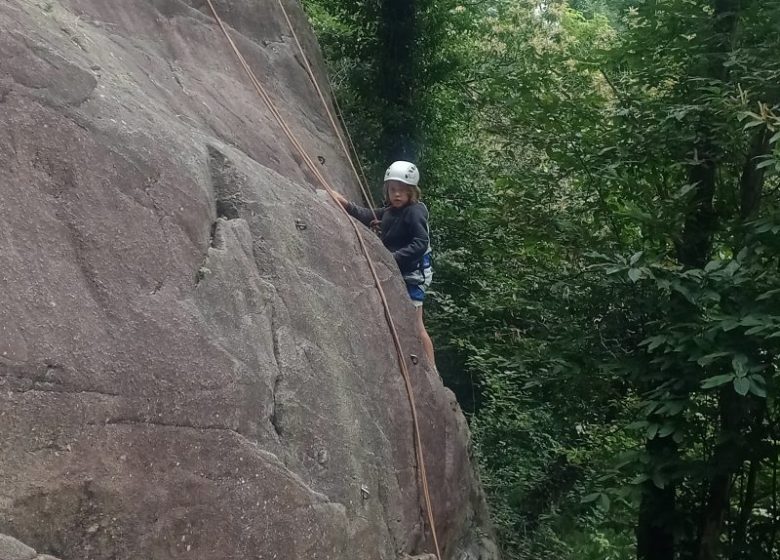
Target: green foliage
[603, 178]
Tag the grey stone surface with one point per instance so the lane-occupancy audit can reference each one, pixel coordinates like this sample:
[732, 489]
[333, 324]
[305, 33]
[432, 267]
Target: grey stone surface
[12, 549]
[193, 359]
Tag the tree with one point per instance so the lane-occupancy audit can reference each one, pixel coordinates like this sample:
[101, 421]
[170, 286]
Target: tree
[603, 179]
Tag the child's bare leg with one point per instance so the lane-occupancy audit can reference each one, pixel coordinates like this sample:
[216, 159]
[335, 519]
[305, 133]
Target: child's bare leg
[426, 340]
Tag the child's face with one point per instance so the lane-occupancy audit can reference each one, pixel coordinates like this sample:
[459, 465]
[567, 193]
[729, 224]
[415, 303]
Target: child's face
[398, 194]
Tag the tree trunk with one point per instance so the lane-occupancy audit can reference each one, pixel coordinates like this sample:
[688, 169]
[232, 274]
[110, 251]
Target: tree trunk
[694, 251]
[753, 179]
[655, 530]
[696, 243]
[724, 463]
[740, 531]
[731, 452]
[775, 509]
[657, 512]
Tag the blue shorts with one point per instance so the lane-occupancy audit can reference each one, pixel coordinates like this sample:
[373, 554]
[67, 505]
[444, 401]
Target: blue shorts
[418, 280]
[417, 293]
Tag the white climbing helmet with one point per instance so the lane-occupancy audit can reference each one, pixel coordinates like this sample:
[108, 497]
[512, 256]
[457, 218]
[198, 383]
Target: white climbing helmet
[404, 172]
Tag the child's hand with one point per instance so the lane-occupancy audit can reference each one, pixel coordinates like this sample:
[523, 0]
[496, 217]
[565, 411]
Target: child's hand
[340, 199]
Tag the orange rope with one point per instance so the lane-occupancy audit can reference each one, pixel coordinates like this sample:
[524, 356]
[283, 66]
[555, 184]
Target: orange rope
[349, 138]
[363, 187]
[385, 305]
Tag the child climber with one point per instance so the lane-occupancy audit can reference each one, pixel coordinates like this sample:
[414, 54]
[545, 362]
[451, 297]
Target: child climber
[404, 226]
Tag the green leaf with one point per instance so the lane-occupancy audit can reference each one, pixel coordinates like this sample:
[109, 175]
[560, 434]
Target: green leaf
[713, 265]
[604, 502]
[731, 268]
[640, 478]
[650, 407]
[742, 385]
[758, 378]
[767, 295]
[752, 321]
[682, 290]
[659, 480]
[652, 430]
[757, 389]
[655, 342]
[709, 358]
[672, 408]
[759, 329]
[740, 365]
[666, 430]
[752, 124]
[716, 381]
[685, 190]
[590, 498]
[634, 274]
[751, 115]
[765, 163]
[635, 258]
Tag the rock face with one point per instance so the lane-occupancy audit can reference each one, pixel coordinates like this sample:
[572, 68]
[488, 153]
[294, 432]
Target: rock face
[193, 358]
[11, 549]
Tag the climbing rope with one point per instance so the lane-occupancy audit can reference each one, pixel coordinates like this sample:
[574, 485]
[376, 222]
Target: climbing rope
[361, 177]
[340, 115]
[377, 283]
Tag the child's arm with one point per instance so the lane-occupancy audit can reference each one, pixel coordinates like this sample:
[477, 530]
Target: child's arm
[417, 223]
[340, 199]
[364, 215]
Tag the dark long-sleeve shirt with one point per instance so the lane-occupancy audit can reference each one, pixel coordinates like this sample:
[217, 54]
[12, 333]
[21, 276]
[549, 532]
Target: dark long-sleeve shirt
[404, 231]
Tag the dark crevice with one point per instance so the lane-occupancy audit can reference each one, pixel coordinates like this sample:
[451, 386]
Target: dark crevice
[227, 209]
[276, 408]
[227, 185]
[157, 423]
[216, 239]
[228, 203]
[26, 377]
[266, 42]
[61, 391]
[302, 64]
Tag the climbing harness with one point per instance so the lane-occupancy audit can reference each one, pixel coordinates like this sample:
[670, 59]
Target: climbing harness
[362, 182]
[385, 305]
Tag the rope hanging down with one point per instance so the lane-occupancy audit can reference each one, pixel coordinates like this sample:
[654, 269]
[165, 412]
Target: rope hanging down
[361, 178]
[377, 283]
